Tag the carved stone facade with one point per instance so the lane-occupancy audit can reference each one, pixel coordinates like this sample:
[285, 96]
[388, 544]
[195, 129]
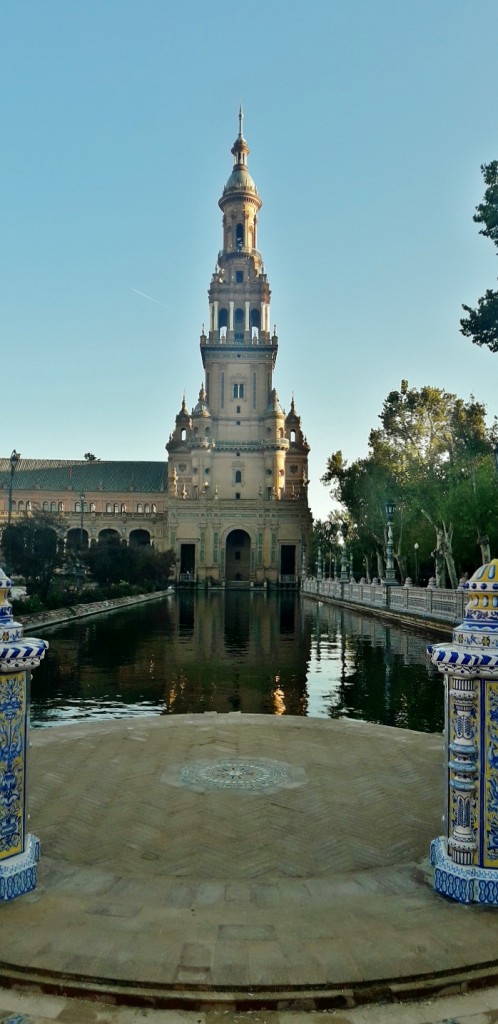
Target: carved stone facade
[232, 499]
[238, 465]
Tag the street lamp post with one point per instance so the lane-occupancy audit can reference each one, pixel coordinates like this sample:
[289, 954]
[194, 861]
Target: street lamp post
[415, 550]
[344, 554]
[319, 563]
[15, 458]
[390, 508]
[82, 498]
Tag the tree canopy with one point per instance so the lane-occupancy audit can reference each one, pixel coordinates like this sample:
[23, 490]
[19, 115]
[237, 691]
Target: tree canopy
[432, 455]
[33, 548]
[110, 561]
[481, 324]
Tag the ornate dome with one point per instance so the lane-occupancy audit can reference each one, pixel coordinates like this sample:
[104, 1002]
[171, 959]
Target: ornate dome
[483, 587]
[240, 181]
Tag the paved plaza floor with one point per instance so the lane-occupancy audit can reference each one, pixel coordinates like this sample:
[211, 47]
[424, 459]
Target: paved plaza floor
[226, 867]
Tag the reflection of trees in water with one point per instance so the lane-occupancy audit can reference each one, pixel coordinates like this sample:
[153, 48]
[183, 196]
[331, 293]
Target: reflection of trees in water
[241, 651]
[384, 676]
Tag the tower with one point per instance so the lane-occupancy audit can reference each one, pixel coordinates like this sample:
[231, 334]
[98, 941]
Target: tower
[238, 465]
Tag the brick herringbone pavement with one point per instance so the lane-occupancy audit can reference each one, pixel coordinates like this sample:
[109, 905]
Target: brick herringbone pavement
[153, 885]
[103, 796]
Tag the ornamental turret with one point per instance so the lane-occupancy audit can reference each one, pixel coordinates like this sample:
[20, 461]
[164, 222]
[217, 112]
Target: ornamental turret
[239, 294]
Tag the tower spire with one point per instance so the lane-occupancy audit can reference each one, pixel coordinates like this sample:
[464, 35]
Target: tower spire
[241, 122]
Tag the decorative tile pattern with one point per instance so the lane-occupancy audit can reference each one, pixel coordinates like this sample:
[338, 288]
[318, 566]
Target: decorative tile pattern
[12, 762]
[237, 773]
[19, 853]
[466, 859]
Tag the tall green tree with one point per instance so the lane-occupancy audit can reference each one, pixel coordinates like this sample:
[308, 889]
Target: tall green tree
[481, 324]
[432, 454]
[361, 489]
[33, 548]
[111, 561]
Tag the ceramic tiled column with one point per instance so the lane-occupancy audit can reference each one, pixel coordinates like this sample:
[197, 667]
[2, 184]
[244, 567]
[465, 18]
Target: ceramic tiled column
[19, 851]
[465, 859]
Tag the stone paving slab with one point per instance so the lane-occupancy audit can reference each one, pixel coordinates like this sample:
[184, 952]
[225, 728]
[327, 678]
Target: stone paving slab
[311, 888]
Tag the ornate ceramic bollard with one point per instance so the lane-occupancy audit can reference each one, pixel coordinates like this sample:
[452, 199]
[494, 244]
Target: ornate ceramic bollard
[19, 851]
[466, 859]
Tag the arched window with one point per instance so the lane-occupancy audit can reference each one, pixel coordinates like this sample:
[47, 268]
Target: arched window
[108, 507]
[223, 318]
[60, 507]
[20, 506]
[92, 506]
[238, 391]
[45, 506]
[140, 507]
[116, 508]
[123, 508]
[77, 506]
[238, 476]
[147, 509]
[239, 236]
[52, 506]
[255, 318]
[183, 435]
[154, 509]
[239, 324]
[13, 504]
[293, 436]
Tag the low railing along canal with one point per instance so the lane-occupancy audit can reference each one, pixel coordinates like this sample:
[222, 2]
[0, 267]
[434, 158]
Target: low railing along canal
[427, 603]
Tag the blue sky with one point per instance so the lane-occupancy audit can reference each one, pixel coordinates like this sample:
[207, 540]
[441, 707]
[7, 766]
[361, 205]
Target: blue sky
[368, 121]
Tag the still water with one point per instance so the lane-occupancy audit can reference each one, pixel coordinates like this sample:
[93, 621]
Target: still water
[236, 651]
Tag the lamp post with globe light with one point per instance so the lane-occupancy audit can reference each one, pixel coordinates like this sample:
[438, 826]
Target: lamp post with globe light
[82, 503]
[415, 551]
[14, 460]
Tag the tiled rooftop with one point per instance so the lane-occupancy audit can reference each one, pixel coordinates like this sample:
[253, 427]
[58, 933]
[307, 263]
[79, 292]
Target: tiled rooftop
[60, 475]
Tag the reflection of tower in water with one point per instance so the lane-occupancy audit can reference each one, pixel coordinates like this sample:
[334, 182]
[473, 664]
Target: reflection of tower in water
[240, 651]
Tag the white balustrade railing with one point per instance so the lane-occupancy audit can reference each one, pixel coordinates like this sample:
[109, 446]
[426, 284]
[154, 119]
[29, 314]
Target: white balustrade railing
[414, 602]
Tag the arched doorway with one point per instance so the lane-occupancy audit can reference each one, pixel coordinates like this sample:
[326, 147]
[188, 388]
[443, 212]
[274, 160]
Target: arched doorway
[238, 557]
[77, 539]
[139, 539]
[108, 534]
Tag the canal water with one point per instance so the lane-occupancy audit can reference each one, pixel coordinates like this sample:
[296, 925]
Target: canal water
[235, 651]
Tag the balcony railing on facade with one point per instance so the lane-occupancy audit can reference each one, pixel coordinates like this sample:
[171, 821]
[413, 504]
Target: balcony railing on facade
[225, 337]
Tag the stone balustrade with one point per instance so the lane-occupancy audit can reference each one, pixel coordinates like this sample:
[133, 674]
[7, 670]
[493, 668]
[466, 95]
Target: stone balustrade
[427, 603]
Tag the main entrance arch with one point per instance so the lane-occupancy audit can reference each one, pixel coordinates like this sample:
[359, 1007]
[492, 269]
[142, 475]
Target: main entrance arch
[238, 556]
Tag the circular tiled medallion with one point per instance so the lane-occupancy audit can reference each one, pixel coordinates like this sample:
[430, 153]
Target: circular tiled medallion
[238, 773]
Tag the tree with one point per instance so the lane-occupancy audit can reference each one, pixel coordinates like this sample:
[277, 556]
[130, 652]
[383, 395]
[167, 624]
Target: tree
[362, 489]
[481, 325]
[112, 561]
[432, 455]
[90, 457]
[33, 548]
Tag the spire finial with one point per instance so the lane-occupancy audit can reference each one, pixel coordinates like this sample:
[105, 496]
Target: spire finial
[241, 122]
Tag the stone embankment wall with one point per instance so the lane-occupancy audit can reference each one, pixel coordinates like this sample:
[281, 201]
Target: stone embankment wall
[79, 611]
[413, 604]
